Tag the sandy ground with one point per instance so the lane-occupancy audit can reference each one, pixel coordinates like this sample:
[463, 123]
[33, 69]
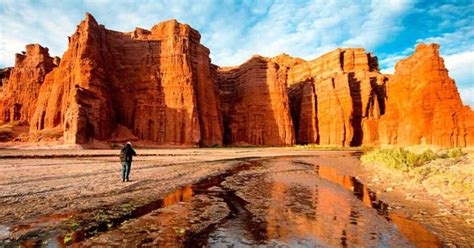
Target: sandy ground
[47, 191]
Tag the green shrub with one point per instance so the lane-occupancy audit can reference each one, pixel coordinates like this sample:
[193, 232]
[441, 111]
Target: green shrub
[399, 158]
[455, 153]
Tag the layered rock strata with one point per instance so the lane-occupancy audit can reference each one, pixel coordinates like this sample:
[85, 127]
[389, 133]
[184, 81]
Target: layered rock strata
[424, 106]
[21, 84]
[159, 87]
[145, 85]
[338, 91]
[256, 109]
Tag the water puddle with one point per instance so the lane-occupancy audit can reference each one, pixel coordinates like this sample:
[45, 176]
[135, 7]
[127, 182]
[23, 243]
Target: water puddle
[310, 206]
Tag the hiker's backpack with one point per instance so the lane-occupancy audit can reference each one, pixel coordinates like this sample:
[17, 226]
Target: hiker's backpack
[123, 154]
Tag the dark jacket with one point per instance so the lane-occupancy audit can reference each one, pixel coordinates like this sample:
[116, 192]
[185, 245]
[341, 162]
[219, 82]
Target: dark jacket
[127, 153]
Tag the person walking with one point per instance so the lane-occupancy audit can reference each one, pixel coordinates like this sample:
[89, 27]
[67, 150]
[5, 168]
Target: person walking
[126, 155]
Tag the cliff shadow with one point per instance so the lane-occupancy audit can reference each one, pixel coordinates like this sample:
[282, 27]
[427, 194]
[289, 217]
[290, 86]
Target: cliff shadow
[356, 116]
[137, 79]
[249, 117]
[378, 95]
[304, 109]
[295, 95]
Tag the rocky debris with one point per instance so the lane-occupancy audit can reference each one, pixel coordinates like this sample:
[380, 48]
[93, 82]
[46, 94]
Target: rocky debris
[158, 87]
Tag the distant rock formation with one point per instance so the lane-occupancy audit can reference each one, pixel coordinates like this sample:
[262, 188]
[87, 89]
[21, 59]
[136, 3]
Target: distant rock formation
[21, 84]
[158, 87]
[255, 104]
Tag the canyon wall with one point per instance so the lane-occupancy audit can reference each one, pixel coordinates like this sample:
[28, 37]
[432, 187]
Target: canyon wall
[338, 91]
[158, 87]
[256, 109]
[154, 86]
[20, 85]
[423, 105]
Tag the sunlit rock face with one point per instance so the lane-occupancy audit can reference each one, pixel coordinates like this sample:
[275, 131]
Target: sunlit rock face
[256, 109]
[338, 92]
[424, 106]
[158, 87]
[20, 85]
[153, 86]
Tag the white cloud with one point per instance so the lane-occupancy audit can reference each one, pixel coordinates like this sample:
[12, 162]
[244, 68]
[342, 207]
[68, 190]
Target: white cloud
[383, 20]
[467, 96]
[317, 27]
[24, 23]
[453, 42]
[461, 69]
[461, 66]
[233, 31]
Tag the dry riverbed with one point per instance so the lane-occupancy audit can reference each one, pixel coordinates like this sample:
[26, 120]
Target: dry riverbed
[184, 197]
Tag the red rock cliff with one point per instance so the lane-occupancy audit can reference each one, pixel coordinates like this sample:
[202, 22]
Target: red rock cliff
[332, 96]
[423, 105]
[153, 85]
[159, 87]
[20, 85]
[255, 102]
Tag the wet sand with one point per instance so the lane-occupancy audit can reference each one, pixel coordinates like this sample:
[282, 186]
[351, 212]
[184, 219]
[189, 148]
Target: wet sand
[183, 197]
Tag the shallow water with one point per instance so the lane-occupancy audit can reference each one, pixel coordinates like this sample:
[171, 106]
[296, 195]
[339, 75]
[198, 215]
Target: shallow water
[290, 203]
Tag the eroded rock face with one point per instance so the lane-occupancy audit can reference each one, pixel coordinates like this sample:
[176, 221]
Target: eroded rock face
[159, 87]
[255, 102]
[144, 85]
[20, 85]
[423, 105]
[4, 75]
[344, 88]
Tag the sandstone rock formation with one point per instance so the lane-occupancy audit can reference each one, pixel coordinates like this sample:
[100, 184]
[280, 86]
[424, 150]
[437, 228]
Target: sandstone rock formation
[158, 87]
[19, 92]
[337, 91]
[146, 85]
[255, 103]
[423, 105]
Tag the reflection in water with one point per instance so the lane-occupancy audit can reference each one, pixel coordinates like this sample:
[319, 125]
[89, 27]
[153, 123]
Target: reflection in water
[350, 183]
[322, 222]
[412, 230]
[415, 232]
[323, 215]
[182, 194]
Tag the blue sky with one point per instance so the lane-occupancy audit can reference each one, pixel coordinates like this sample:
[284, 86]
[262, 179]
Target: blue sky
[236, 30]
